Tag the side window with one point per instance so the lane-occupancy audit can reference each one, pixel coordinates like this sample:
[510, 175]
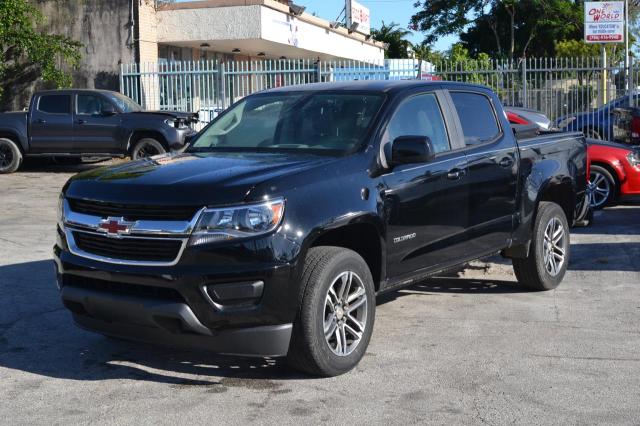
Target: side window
[479, 123]
[89, 104]
[55, 104]
[419, 116]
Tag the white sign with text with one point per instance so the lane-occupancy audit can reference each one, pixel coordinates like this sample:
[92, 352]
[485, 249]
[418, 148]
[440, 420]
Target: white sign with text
[604, 21]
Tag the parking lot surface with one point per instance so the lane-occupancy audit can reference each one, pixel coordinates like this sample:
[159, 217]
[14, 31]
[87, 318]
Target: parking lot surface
[468, 348]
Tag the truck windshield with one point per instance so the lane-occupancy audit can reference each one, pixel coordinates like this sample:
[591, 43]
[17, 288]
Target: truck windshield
[124, 103]
[321, 121]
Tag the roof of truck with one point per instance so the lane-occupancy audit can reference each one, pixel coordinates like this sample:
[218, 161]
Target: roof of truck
[369, 85]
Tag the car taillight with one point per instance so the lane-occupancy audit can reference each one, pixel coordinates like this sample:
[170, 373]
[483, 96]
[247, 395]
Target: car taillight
[635, 127]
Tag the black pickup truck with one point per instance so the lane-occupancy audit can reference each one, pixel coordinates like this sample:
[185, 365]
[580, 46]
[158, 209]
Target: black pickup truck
[275, 229]
[88, 123]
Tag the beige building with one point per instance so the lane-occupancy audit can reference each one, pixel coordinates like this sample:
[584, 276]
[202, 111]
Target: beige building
[243, 29]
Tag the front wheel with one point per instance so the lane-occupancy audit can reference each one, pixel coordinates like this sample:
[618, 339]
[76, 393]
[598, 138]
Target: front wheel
[548, 258]
[147, 147]
[335, 322]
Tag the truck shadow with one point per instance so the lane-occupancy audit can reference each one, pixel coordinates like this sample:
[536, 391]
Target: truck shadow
[49, 165]
[37, 336]
[454, 285]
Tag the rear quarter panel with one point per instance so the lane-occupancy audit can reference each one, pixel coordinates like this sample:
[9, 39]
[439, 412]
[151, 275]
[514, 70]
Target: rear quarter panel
[546, 162]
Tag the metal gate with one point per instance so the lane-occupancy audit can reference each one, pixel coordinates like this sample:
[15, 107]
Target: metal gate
[561, 88]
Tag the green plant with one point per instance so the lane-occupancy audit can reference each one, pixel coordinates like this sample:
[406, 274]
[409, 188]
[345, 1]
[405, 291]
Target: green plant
[28, 51]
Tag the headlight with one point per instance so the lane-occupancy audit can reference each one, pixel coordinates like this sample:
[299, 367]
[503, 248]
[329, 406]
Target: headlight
[565, 122]
[634, 158]
[228, 223]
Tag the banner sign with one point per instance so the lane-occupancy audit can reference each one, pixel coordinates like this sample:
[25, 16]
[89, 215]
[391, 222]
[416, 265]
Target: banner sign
[604, 21]
[357, 13]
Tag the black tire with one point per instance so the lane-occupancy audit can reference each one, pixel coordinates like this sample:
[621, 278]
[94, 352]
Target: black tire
[10, 156]
[600, 179]
[592, 133]
[146, 147]
[309, 350]
[534, 272]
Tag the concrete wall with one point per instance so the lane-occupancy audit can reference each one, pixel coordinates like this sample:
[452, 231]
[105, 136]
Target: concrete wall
[102, 26]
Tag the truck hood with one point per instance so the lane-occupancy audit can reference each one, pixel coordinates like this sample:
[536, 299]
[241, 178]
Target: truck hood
[189, 178]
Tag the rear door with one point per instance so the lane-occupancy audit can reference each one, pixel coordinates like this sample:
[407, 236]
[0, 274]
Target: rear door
[492, 157]
[51, 124]
[426, 205]
[95, 132]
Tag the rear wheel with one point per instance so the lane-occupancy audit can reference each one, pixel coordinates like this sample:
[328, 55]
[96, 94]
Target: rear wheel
[602, 187]
[147, 147]
[335, 323]
[10, 156]
[548, 258]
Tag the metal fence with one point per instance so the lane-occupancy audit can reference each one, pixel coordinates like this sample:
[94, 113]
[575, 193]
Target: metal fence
[559, 87]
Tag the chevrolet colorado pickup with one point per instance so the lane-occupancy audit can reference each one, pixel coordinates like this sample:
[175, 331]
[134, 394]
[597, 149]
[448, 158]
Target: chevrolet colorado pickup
[88, 123]
[275, 229]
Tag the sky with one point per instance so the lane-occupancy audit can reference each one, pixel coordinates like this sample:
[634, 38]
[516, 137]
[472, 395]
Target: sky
[399, 11]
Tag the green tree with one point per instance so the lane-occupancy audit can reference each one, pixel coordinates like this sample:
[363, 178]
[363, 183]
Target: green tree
[28, 52]
[395, 37]
[502, 28]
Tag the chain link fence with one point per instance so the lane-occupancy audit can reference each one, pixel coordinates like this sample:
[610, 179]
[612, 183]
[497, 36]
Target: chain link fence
[581, 93]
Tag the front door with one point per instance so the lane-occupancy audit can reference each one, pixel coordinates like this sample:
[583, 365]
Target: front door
[95, 132]
[51, 124]
[426, 205]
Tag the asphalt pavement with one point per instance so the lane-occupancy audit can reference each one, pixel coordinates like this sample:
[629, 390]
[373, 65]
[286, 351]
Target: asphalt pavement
[472, 348]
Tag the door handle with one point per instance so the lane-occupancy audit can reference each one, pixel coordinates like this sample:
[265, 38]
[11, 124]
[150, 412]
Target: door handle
[80, 121]
[42, 121]
[506, 162]
[455, 174]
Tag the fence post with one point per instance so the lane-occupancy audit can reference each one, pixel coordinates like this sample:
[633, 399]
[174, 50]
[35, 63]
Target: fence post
[524, 83]
[222, 85]
[318, 71]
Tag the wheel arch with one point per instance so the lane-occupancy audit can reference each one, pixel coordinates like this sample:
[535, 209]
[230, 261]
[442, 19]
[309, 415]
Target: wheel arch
[139, 134]
[363, 237]
[14, 137]
[561, 193]
[617, 174]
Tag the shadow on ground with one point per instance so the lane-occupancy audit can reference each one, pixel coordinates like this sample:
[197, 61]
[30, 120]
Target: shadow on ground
[37, 335]
[62, 165]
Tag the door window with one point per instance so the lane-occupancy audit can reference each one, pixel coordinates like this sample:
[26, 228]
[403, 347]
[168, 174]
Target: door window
[55, 104]
[89, 104]
[418, 116]
[477, 117]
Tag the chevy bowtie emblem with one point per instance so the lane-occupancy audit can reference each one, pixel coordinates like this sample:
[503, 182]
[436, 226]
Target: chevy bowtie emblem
[115, 226]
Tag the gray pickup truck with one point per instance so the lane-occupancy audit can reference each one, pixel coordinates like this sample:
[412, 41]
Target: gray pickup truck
[88, 123]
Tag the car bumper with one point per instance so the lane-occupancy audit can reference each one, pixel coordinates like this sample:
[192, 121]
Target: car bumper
[166, 323]
[172, 305]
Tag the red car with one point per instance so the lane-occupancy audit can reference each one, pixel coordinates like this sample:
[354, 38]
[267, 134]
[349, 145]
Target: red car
[614, 168]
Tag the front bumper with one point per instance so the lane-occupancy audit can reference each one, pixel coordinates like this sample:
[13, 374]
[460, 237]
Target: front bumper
[170, 305]
[168, 323]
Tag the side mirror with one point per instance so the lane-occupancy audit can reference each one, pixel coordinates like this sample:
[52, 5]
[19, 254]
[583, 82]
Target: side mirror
[108, 110]
[411, 150]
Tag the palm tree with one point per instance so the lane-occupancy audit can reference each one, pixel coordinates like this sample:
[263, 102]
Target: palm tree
[394, 36]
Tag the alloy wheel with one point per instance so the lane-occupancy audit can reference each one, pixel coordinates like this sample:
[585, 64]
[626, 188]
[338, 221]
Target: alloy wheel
[147, 150]
[599, 189]
[554, 247]
[345, 313]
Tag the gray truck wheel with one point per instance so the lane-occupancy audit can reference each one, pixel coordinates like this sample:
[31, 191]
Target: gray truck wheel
[10, 156]
[548, 257]
[335, 322]
[603, 187]
[146, 147]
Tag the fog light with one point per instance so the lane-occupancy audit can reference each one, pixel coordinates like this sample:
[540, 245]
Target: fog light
[234, 294]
